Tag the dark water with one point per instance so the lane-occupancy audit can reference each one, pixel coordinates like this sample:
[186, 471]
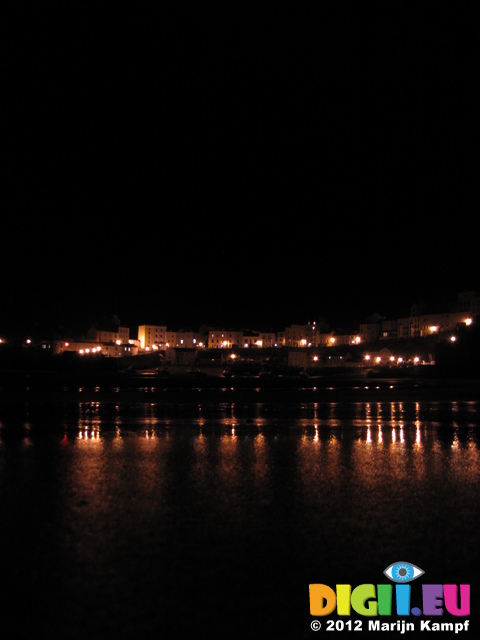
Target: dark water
[136, 514]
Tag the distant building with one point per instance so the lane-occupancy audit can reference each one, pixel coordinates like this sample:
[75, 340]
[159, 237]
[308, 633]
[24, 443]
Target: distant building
[325, 339]
[268, 338]
[170, 338]
[280, 339]
[185, 339]
[338, 339]
[409, 327]
[301, 335]
[389, 330]
[224, 338]
[441, 322]
[122, 335]
[90, 347]
[150, 335]
[258, 339]
[252, 339]
[418, 324]
[429, 324]
[369, 331]
[112, 343]
[469, 302]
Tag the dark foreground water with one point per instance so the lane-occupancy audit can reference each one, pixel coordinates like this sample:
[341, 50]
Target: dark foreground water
[130, 513]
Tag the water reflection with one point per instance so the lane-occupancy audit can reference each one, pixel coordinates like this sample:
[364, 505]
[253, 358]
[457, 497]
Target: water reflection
[145, 502]
[240, 456]
[380, 422]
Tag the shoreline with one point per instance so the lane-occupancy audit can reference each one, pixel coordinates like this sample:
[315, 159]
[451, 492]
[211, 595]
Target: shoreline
[100, 386]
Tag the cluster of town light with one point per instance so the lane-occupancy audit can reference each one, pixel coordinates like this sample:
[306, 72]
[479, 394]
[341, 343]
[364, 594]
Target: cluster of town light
[391, 359]
[434, 328]
[258, 343]
[96, 349]
[92, 350]
[156, 347]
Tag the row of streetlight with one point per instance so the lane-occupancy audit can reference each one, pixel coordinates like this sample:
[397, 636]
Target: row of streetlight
[391, 359]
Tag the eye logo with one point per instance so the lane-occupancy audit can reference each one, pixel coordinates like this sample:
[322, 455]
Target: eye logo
[403, 572]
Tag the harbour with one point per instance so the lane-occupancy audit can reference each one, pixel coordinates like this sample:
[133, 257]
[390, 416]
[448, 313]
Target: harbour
[143, 510]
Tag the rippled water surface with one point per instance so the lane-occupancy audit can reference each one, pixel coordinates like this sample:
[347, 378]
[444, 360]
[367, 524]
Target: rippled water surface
[143, 516]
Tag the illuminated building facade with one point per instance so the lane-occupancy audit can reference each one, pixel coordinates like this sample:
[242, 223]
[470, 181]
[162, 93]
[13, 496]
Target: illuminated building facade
[92, 347]
[259, 339]
[224, 339]
[300, 335]
[428, 324]
[150, 334]
[186, 339]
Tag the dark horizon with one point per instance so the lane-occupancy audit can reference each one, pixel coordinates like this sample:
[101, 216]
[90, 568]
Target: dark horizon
[55, 321]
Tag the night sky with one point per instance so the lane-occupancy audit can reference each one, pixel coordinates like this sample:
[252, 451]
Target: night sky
[239, 167]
